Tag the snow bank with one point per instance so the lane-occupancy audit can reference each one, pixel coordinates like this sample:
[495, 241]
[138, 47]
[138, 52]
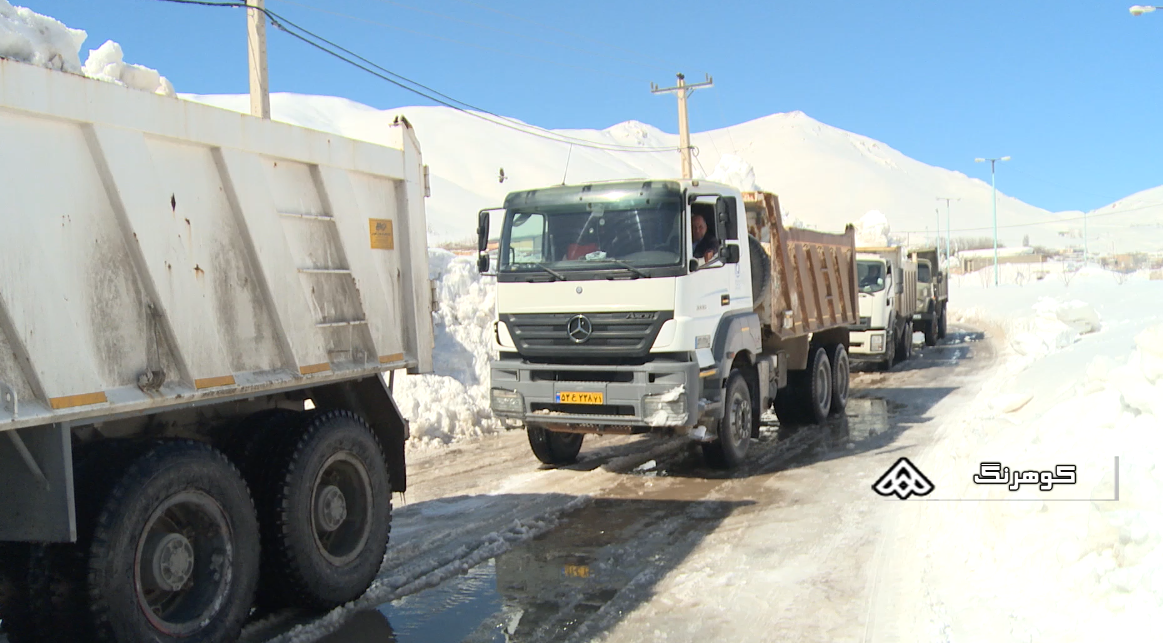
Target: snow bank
[107, 63]
[735, 172]
[453, 403]
[872, 230]
[28, 37]
[1056, 325]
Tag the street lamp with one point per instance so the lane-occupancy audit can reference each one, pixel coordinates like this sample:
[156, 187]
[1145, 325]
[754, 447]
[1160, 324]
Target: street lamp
[1139, 9]
[993, 181]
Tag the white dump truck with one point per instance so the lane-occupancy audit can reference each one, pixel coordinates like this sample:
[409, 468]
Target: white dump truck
[888, 293]
[932, 294]
[197, 309]
[609, 321]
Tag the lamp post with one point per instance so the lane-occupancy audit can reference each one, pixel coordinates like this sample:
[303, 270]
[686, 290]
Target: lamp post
[993, 181]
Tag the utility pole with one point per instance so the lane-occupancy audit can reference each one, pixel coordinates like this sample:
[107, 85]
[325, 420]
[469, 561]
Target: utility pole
[256, 49]
[948, 225]
[684, 130]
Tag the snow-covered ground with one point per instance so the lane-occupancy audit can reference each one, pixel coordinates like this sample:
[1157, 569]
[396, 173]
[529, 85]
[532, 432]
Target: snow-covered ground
[1080, 382]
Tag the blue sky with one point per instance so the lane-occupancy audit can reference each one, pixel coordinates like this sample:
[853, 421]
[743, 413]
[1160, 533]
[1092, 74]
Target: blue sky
[1071, 90]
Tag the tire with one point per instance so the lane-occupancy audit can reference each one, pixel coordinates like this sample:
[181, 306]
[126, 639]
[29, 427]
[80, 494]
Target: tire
[941, 329]
[904, 352]
[816, 387]
[931, 331]
[787, 411]
[325, 513]
[184, 507]
[730, 449]
[890, 345]
[554, 447]
[760, 268]
[841, 378]
[16, 616]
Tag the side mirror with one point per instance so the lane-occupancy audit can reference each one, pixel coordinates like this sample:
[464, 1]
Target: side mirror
[900, 287]
[694, 265]
[729, 254]
[483, 263]
[726, 218]
[482, 230]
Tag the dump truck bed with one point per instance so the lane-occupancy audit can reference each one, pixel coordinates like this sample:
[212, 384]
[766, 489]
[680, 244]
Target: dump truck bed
[812, 285]
[158, 252]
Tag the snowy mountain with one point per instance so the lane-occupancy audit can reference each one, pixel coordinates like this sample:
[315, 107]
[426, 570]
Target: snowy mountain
[826, 177]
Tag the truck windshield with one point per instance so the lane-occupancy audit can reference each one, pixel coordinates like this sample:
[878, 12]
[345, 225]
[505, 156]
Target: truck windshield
[924, 275]
[579, 237]
[870, 275]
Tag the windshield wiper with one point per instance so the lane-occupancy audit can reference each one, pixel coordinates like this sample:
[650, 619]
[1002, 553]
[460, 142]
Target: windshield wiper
[556, 275]
[627, 267]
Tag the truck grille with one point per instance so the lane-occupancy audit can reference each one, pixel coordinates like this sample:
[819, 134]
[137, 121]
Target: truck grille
[594, 334]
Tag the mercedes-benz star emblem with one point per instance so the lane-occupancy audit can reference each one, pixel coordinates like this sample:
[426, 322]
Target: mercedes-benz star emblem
[579, 328]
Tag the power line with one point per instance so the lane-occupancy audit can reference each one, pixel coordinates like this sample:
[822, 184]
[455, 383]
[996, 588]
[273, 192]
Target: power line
[458, 42]
[513, 33]
[282, 24]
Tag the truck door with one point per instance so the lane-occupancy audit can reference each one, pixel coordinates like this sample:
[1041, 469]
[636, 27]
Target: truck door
[705, 294]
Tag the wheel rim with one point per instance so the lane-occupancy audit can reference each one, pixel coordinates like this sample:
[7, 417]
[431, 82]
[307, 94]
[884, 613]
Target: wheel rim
[823, 386]
[841, 379]
[183, 564]
[341, 508]
[740, 419]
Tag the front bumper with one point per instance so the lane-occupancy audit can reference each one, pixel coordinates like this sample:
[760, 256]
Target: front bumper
[658, 394]
[867, 343]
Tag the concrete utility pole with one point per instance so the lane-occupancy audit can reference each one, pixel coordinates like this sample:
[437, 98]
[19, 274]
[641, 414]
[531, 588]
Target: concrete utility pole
[684, 131]
[256, 48]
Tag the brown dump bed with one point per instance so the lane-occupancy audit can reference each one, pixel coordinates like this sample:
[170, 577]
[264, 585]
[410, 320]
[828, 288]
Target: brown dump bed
[813, 274]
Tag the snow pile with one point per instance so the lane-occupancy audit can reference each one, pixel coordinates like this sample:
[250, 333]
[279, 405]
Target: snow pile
[107, 63]
[872, 230]
[735, 172]
[453, 402]
[1055, 326]
[28, 37]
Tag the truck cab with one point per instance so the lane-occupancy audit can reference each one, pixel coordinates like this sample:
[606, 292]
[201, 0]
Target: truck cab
[613, 316]
[932, 295]
[888, 286]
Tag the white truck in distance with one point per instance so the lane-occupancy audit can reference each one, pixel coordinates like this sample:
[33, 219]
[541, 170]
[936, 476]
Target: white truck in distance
[932, 294]
[608, 322]
[197, 308]
[888, 296]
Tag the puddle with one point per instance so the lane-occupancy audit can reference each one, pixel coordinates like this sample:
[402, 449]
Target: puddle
[545, 588]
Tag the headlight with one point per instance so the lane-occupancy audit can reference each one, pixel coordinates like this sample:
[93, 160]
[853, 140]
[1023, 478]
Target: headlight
[667, 403]
[876, 343]
[507, 401]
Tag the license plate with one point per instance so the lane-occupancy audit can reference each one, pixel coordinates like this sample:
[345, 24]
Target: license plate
[567, 397]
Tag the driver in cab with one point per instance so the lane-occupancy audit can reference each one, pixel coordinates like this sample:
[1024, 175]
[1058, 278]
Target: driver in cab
[704, 246]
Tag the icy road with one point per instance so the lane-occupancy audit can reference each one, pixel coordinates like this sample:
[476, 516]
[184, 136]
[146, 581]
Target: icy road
[640, 542]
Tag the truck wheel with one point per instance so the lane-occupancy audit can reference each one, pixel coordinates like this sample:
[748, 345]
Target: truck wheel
[841, 376]
[906, 350]
[816, 389]
[942, 328]
[15, 603]
[787, 409]
[730, 448]
[931, 331]
[890, 345]
[325, 512]
[174, 554]
[554, 447]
